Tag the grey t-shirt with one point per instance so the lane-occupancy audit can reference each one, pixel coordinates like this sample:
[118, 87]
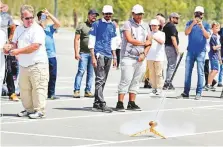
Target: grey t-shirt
[139, 32]
[5, 22]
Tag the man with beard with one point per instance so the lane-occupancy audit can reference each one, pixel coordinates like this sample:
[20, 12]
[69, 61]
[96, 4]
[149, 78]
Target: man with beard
[83, 55]
[102, 44]
[171, 48]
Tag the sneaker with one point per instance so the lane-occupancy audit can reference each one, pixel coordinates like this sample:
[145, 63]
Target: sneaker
[37, 115]
[76, 94]
[154, 91]
[23, 113]
[120, 107]
[209, 88]
[158, 92]
[212, 88]
[219, 85]
[53, 97]
[105, 108]
[96, 107]
[88, 94]
[14, 97]
[198, 97]
[183, 95]
[165, 87]
[133, 106]
[171, 87]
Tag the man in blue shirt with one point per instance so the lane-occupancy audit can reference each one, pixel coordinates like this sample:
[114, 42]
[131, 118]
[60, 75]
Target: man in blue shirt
[198, 33]
[50, 48]
[102, 44]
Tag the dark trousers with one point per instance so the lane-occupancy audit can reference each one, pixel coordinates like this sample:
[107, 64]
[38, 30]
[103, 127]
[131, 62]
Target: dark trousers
[101, 74]
[11, 71]
[118, 56]
[206, 73]
[52, 76]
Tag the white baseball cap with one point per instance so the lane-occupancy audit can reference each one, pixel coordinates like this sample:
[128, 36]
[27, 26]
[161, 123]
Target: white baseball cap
[154, 22]
[107, 9]
[199, 9]
[137, 9]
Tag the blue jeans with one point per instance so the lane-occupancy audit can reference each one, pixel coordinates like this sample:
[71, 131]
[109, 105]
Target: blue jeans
[52, 76]
[220, 74]
[191, 58]
[84, 65]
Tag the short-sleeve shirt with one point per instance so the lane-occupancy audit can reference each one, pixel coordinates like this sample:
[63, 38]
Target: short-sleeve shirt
[27, 36]
[196, 39]
[214, 41]
[157, 51]
[138, 32]
[170, 30]
[49, 42]
[103, 32]
[83, 30]
[5, 22]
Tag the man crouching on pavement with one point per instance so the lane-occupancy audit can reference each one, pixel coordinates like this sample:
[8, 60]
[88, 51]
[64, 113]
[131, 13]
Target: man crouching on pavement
[134, 49]
[29, 46]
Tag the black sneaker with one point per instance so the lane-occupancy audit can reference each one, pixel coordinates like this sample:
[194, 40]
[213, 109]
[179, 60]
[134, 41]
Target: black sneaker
[133, 106]
[219, 85]
[165, 87]
[183, 95]
[105, 108]
[96, 107]
[120, 107]
[171, 87]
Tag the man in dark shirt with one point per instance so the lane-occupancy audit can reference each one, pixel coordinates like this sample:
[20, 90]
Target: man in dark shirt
[171, 48]
[83, 55]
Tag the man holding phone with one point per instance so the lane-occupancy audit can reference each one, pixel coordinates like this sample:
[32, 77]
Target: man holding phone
[50, 48]
[198, 32]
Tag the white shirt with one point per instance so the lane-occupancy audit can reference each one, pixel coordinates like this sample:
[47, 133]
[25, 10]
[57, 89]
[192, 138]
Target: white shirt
[157, 51]
[27, 36]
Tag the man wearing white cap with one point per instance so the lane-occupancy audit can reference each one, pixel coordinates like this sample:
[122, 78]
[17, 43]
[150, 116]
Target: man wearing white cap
[135, 47]
[198, 32]
[102, 44]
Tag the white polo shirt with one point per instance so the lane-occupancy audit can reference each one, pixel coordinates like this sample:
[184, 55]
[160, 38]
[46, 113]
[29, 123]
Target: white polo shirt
[27, 36]
[157, 51]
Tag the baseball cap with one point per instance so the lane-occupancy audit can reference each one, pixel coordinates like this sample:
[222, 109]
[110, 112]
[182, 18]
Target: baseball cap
[137, 9]
[199, 9]
[174, 14]
[154, 22]
[93, 11]
[107, 9]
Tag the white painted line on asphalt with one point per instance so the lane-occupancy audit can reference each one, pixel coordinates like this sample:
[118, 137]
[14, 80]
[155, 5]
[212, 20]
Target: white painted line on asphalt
[136, 140]
[215, 109]
[111, 114]
[54, 136]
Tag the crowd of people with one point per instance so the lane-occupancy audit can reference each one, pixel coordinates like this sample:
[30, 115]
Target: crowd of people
[137, 48]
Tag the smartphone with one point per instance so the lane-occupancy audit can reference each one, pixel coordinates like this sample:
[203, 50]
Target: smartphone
[43, 17]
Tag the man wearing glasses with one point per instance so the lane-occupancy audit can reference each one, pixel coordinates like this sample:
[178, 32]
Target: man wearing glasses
[171, 48]
[198, 32]
[135, 46]
[102, 44]
[28, 44]
[82, 54]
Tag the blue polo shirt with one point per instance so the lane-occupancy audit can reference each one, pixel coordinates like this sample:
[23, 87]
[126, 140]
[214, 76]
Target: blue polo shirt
[50, 45]
[196, 39]
[104, 32]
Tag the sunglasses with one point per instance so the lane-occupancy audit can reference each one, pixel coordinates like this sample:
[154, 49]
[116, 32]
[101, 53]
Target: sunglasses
[28, 18]
[199, 13]
[107, 13]
[176, 18]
